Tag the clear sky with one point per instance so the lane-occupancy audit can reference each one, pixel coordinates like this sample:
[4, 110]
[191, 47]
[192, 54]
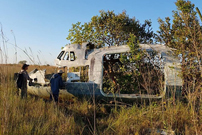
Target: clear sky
[41, 26]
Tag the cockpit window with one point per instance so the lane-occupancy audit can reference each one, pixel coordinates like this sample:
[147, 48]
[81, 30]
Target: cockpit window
[72, 56]
[66, 57]
[60, 55]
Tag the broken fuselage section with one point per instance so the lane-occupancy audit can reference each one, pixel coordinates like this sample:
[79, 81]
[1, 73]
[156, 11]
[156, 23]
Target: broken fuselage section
[93, 65]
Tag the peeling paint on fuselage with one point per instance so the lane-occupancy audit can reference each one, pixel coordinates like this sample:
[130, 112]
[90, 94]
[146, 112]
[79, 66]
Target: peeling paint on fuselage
[94, 59]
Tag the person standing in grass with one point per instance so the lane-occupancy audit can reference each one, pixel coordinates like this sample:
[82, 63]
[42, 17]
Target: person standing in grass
[23, 77]
[56, 84]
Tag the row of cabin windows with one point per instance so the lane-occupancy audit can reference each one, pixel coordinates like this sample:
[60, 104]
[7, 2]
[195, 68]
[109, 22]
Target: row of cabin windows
[67, 56]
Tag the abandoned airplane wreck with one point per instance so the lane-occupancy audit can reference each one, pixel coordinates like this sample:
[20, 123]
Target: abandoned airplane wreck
[94, 68]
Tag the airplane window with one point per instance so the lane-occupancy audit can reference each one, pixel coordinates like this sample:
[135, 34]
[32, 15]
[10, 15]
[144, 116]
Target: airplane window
[60, 55]
[72, 56]
[66, 57]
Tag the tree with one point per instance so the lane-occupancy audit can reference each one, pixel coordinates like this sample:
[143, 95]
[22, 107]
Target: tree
[110, 29]
[22, 62]
[185, 36]
[118, 29]
[132, 72]
[199, 13]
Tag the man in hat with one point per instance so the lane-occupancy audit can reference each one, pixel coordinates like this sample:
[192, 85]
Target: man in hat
[56, 84]
[23, 80]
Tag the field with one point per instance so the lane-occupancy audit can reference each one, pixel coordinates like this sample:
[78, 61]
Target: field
[35, 116]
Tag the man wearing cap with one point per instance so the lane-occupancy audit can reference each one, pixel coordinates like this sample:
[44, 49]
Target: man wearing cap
[24, 78]
[56, 84]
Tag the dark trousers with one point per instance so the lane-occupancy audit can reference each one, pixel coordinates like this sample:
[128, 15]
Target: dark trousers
[23, 92]
[54, 96]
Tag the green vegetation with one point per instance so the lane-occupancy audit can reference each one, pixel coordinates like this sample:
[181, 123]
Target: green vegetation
[174, 114]
[22, 62]
[185, 36]
[129, 73]
[110, 29]
[35, 116]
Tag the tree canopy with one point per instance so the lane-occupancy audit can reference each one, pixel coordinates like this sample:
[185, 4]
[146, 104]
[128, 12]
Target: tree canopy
[110, 29]
[184, 34]
[22, 62]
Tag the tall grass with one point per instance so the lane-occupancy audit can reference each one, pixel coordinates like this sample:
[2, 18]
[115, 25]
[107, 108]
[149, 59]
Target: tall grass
[35, 116]
[29, 116]
[174, 118]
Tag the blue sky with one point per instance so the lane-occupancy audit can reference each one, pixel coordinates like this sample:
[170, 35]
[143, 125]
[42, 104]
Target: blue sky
[42, 25]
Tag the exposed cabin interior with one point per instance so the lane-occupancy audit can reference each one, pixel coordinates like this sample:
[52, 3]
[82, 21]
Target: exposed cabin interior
[87, 65]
